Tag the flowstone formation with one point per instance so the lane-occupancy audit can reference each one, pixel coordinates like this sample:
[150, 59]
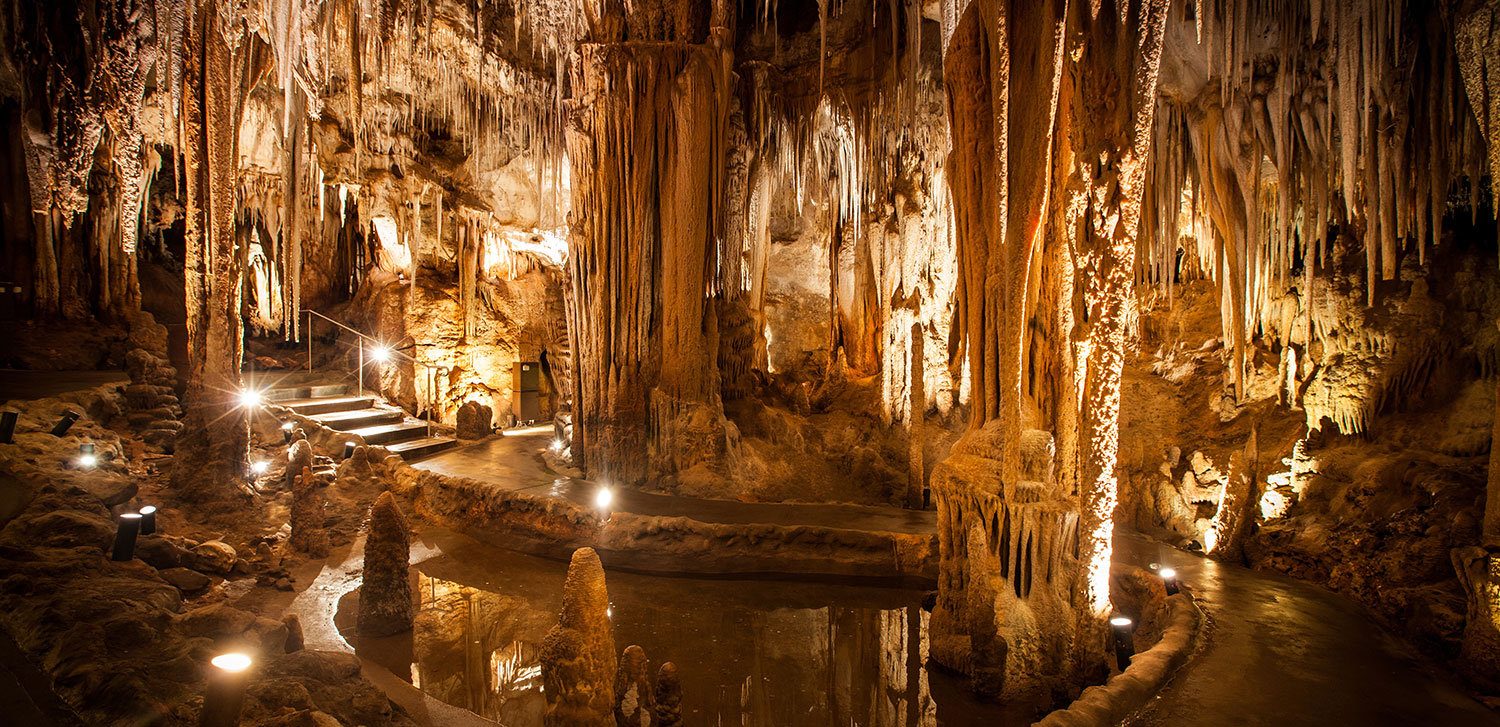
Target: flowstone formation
[385, 598]
[578, 655]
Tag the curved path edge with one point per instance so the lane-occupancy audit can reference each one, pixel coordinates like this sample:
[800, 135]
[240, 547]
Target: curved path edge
[1125, 693]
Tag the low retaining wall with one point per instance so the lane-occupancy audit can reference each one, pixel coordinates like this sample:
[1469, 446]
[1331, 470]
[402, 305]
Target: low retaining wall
[554, 528]
[1110, 703]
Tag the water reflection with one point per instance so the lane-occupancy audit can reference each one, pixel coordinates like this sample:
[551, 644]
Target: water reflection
[752, 653]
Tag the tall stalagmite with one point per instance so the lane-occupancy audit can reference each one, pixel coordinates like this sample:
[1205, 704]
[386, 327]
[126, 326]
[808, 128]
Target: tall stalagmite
[578, 654]
[385, 598]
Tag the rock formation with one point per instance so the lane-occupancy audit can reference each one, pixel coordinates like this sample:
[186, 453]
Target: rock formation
[634, 696]
[385, 598]
[578, 655]
[309, 510]
[667, 709]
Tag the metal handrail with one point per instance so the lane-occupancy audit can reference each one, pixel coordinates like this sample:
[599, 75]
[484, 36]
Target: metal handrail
[431, 370]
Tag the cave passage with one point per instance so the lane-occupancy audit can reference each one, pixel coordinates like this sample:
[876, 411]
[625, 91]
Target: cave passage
[614, 363]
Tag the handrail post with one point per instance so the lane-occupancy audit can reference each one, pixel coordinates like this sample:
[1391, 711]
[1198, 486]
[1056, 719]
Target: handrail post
[361, 345]
[308, 333]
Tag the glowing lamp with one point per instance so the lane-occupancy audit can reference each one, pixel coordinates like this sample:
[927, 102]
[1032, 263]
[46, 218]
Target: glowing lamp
[226, 690]
[249, 398]
[603, 498]
[557, 445]
[232, 662]
[286, 432]
[349, 449]
[86, 458]
[259, 467]
[125, 532]
[380, 354]
[1169, 579]
[1124, 633]
[148, 520]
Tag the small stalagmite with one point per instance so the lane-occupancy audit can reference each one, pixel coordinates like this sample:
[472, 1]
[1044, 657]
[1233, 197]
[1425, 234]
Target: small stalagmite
[309, 510]
[633, 689]
[299, 456]
[578, 654]
[667, 711]
[385, 602]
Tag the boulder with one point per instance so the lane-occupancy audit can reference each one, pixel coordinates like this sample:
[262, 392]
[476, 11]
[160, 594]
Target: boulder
[473, 420]
[186, 580]
[215, 556]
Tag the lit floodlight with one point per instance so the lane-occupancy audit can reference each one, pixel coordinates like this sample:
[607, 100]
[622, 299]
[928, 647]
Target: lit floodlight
[1119, 621]
[286, 426]
[148, 520]
[249, 398]
[380, 354]
[557, 445]
[231, 662]
[1168, 573]
[260, 467]
[1169, 580]
[603, 498]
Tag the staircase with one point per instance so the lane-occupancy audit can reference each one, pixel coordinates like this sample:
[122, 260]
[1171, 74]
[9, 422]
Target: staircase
[367, 416]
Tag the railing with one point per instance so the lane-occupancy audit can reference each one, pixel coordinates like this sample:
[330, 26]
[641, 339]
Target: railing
[432, 371]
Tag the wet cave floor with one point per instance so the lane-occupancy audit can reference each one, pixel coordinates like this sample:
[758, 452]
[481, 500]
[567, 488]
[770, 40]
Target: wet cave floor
[750, 652]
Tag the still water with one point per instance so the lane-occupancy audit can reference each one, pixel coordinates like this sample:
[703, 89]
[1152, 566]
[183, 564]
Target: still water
[754, 653]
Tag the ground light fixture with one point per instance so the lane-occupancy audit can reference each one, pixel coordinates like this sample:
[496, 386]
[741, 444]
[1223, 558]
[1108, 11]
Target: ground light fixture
[286, 432]
[557, 445]
[1124, 632]
[225, 695]
[380, 354]
[129, 527]
[259, 467]
[86, 457]
[1169, 579]
[148, 520]
[249, 398]
[349, 449]
[65, 423]
[8, 426]
[603, 498]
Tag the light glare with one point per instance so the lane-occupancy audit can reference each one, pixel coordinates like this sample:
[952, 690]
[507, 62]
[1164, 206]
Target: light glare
[232, 662]
[1168, 573]
[260, 467]
[604, 497]
[88, 460]
[249, 398]
[380, 354]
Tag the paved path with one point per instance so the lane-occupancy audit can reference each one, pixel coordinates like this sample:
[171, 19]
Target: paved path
[514, 462]
[1282, 652]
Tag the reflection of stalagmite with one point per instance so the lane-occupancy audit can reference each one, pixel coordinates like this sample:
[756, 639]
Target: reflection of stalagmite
[578, 654]
[385, 599]
[668, 693]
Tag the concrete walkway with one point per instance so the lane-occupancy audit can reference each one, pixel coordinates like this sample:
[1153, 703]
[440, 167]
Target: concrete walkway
[514, 462]
[1282, 652]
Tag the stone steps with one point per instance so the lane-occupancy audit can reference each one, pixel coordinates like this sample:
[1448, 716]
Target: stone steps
[367, 416]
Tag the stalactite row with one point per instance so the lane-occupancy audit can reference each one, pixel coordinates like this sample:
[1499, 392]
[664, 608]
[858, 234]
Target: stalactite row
[1277, 139]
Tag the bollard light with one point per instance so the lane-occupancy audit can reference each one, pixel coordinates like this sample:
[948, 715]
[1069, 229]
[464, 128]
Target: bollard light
[65, 423]
[130, 525]
[286, 432]
[8, 426]
[1169, 579]
[1124, 631]
[349, 449]
[226, 690]
[148, 520]
[86, 458]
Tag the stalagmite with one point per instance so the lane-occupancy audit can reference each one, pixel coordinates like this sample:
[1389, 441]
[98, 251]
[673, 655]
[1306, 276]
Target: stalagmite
[633, 693]
[578, 655]
[385, 597]
[308, 512]
[666, 711]
[1225, 539]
